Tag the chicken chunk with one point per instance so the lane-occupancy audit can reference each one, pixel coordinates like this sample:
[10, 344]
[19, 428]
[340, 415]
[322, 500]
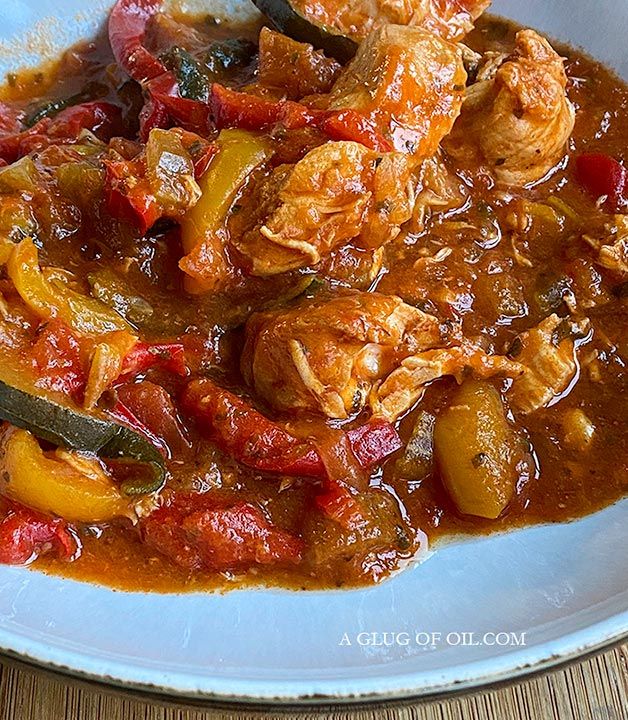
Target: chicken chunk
[613, 255]
[325, 355]
[450, 19]
[337, 354]
[405, 385]
[437, 190]
[518, 115]
[336, 192]
[409, 82]
[547, 354]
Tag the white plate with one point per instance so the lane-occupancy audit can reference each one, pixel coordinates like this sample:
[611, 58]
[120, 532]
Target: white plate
[564, 586]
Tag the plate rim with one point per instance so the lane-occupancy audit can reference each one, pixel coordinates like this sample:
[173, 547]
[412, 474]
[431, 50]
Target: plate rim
[481, 675]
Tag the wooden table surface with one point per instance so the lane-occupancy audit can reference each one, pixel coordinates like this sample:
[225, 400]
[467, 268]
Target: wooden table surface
[596, 689]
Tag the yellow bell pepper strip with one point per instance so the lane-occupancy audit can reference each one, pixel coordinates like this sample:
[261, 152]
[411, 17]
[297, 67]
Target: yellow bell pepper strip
[74, 487]
[76, 430]
[49, 297]
[203, 229]
[477, 450]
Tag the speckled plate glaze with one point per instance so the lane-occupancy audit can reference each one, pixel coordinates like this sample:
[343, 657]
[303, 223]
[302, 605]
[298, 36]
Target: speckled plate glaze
[554, 592]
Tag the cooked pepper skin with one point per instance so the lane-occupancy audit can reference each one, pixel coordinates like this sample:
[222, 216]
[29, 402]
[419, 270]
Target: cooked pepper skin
[26, 534]
[256, 441]
[248, 435]
[50, 485]
[231, 108]
[604, 176]
[197, 532]
[101, 118]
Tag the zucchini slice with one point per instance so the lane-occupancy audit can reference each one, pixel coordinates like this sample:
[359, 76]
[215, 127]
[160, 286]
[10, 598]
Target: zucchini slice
[290, 22]
[76, 430]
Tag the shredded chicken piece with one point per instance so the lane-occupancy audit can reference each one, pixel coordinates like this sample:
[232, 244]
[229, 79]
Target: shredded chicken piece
[405, 385]
[438, 190]
[517, 114]
[338, 191]
[614, 254]
[547, 353]
[338, 354]
[451, 19]
[325, 355]
[409, 82]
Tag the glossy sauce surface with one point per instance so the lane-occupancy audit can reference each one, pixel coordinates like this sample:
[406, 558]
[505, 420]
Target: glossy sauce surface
[482, 281]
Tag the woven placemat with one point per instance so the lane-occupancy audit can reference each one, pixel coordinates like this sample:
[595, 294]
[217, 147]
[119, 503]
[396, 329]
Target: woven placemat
[596, 689]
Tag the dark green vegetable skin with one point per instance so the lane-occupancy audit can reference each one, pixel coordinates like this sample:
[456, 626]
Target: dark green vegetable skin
[291, 23]
[49, 109]
[61, 426]
[193, 84]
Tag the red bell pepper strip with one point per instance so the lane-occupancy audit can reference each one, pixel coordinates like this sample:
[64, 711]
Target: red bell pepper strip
[26, 534]
[128, 196]
[163, 92]
[247, 435]
[56, 355]
[258, 442]
[9, 119]
[102, 118]
[339, 504]
[152, 406]
[602, 175]
[231, 108]
[154, 114]
[127, 26]
[164, 104]
[144, 356]
[351, 125]
[198, 534]
[127, 417]
[373, 441]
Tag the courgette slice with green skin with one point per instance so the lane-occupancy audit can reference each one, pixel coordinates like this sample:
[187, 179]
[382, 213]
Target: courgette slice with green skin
[76, 430]
[193, 84]
[53, 107]
[290, 22]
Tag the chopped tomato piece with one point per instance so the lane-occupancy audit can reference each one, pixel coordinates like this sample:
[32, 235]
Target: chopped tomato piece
[9, 119]
[25, 535]
[341, 505]
[218, 538]
[603, 176]
[56, 357]
[240, 535]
